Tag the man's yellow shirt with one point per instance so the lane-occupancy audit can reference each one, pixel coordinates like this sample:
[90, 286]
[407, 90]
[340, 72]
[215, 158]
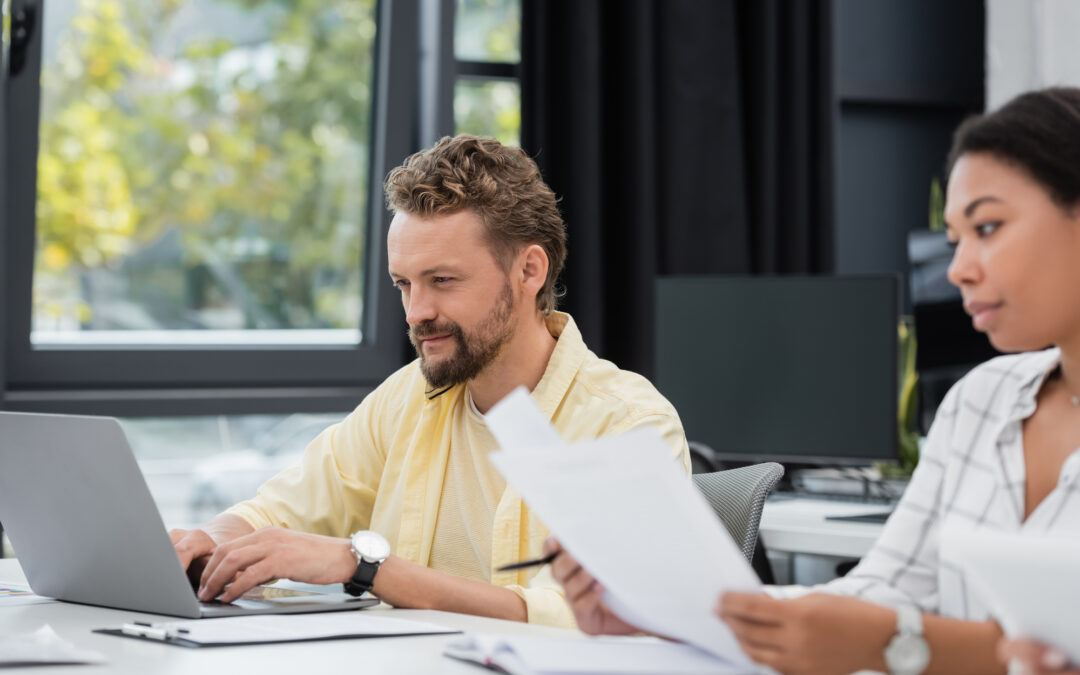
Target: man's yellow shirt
[412, 465]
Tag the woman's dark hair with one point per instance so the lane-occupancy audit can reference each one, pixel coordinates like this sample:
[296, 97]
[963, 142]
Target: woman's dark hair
[1038, 132]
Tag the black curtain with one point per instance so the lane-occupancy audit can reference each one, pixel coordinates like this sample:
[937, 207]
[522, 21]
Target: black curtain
[682, 137]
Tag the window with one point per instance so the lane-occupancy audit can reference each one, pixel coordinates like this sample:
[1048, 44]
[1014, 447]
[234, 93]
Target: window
[202, 172]
[195, 235]
[487, 53]
[196, 215]
[196, 467]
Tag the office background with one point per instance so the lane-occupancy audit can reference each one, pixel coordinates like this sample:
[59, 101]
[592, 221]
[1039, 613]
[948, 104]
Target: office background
[193, 229]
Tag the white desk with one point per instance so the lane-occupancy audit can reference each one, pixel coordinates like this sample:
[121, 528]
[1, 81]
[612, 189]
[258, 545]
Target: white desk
[138, 657]
[796, 530]
[799, 525]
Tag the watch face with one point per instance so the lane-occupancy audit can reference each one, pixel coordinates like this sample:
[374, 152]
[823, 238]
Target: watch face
[907, 654]
[372, 546]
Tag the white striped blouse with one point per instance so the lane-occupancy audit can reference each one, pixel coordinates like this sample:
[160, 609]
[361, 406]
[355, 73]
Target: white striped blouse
[971, 475]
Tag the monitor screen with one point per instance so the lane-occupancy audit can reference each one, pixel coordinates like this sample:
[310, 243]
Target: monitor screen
[797, 369]
[946, 338]
[947, 345]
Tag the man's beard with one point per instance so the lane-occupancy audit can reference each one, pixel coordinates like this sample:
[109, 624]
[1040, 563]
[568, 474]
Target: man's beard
[475, 350]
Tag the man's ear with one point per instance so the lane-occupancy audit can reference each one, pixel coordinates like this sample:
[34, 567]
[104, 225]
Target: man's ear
[533, 268]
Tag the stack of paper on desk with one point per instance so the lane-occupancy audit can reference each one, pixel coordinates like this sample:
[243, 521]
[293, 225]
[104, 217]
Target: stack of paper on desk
[1030, 583]
[625, 508]
[523, 655]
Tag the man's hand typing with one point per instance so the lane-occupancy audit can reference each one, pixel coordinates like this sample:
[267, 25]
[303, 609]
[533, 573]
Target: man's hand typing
[239, 565]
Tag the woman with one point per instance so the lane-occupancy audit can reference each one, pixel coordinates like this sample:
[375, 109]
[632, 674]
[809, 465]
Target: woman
[1001, 453]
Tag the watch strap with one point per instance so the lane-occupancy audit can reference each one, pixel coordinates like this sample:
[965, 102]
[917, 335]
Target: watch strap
[908, 620]
[362, 579]
[907, 653]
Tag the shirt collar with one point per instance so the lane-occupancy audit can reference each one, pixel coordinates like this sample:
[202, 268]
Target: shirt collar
[1027, 387]
[566, 359]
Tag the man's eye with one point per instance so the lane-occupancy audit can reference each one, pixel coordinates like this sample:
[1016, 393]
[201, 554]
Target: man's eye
[401, 284]
[440, 280]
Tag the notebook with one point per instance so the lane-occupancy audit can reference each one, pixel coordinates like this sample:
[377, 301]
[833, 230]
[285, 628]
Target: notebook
[85, 528]
[528, 655]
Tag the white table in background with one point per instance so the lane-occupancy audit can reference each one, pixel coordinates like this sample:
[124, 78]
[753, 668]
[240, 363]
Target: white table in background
[796, 529]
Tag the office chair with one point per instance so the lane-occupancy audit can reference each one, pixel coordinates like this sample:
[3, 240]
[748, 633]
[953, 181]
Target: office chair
[703, 459]
[738, 496]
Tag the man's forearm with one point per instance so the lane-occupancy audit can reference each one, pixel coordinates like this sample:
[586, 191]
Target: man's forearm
[225, 527]
[406, 584]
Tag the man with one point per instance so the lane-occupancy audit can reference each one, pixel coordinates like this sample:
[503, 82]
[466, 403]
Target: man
[475, 247]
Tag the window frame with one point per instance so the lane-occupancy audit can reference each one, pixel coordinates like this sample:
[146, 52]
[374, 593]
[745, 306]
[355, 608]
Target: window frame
[471, 70]
[191, 379]
[440, 70]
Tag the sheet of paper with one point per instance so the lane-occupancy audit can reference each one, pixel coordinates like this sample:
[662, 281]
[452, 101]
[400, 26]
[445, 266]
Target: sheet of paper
[631, 516]
[294, 627]
[517, 423]
[42, 647]
[1029, 581]
[626, 656]
[12, 595]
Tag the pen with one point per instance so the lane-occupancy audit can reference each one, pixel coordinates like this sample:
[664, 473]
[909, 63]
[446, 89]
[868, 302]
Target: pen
[528, 563]
[143, 630]
[150, 631]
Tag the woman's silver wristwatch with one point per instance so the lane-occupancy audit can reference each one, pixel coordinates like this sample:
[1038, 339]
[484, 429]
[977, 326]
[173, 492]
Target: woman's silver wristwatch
[907, 653]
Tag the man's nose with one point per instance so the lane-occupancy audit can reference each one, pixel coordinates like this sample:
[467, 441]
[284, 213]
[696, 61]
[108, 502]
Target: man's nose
[419, 307]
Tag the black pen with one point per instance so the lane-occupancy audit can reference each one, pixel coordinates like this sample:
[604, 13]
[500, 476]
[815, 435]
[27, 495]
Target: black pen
[529, 563]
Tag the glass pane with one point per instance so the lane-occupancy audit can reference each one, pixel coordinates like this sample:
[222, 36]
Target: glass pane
[203, 170]
[197, 467]
[488, 30]
[5, 33]
[488, 108]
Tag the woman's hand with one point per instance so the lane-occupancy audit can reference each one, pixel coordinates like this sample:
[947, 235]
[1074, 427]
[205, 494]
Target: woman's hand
[585, 595]
[1036, 658]
[816, 633]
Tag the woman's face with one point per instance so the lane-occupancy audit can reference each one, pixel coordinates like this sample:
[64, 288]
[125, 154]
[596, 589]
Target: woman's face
[1017, 259]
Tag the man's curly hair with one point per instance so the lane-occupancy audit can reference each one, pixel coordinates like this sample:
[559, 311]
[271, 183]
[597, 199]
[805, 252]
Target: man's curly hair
[500, 184]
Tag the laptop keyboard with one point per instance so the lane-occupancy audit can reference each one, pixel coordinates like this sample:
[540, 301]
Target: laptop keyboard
[260, 596]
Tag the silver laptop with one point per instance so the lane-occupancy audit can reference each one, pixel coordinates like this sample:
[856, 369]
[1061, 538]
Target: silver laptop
[81, 520]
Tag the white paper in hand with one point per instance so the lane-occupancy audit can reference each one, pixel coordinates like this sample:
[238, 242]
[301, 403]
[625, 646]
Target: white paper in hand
[1029, 583]
[627, 511]
[518, 424]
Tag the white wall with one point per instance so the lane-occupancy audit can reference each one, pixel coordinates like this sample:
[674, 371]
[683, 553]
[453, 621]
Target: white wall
[1030, 44]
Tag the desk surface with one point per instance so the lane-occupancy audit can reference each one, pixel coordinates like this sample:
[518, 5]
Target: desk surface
[799, 525]
[370, 655]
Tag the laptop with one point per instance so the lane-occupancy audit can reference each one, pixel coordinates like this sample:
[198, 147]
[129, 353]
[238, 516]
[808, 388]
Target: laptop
[85, 528]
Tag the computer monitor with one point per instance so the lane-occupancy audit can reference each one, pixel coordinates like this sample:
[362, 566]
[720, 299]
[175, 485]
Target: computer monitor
[947, 345]
[793, 369]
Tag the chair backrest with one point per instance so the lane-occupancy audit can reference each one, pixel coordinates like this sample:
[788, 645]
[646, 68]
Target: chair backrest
[738, 496]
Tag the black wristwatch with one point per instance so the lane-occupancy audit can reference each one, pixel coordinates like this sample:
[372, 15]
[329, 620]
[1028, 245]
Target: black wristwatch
[370, 549]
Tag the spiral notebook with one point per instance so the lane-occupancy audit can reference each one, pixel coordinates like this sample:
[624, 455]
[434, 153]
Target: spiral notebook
[529, 655]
